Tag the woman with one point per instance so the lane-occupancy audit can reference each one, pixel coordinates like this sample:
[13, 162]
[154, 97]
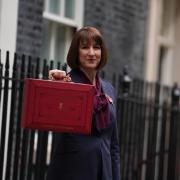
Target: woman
[95, 156]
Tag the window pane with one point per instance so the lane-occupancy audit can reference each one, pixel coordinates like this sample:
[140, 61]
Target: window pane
[69, 8]
[53, 41]
[45, 40]
[54, 6]
[60, 44]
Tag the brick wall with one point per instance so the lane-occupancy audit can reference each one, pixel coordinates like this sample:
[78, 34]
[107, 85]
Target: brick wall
[29, 30]
[123, 24]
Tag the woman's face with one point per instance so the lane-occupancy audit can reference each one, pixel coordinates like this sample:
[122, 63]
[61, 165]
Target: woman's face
[89, 55]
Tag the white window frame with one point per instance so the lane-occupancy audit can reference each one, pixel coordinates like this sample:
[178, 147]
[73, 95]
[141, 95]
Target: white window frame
[76, 22]
[156, 40]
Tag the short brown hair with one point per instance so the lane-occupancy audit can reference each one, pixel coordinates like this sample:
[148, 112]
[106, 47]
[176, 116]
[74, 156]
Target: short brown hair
[86, 34]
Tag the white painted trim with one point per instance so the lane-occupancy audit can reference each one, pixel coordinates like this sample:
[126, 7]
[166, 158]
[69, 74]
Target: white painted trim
[67, 40]
[46, 5]
[76, 22]
[62, 8]
[0, 17]
[176, 60]
[8, 28]
[52, 41]
[169, 43]
[8, 36]
[166, 42]
[79, 13]
[58, 19]
[156, 39]
[152, 44]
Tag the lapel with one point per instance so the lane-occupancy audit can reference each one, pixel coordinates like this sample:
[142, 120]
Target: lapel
[105, 88]
[110, 95]
[108, 92]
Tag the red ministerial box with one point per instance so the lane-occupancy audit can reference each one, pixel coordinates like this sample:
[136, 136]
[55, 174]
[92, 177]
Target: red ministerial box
[57, 106]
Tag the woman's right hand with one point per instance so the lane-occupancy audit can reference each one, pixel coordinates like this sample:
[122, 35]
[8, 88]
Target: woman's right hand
[59, 75]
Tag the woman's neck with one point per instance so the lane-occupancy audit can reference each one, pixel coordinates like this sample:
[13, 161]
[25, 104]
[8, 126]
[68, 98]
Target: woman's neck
[91, 75]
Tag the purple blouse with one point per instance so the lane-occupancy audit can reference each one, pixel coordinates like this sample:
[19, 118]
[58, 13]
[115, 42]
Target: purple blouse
[101, 101]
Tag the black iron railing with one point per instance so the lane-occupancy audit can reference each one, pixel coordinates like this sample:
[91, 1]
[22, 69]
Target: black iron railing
[148, 117]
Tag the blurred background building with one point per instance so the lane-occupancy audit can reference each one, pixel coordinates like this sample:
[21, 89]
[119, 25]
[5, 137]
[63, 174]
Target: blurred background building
[45, 29]
[163, 42]
[141, 34]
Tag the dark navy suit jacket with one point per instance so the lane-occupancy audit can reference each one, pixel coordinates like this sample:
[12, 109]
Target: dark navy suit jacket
[88, 157]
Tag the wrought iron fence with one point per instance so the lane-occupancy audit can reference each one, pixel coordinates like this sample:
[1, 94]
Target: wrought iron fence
[149, 130]
[148, 122]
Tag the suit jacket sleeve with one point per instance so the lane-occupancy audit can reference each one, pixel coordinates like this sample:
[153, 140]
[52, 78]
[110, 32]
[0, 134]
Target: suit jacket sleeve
[115, 153]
